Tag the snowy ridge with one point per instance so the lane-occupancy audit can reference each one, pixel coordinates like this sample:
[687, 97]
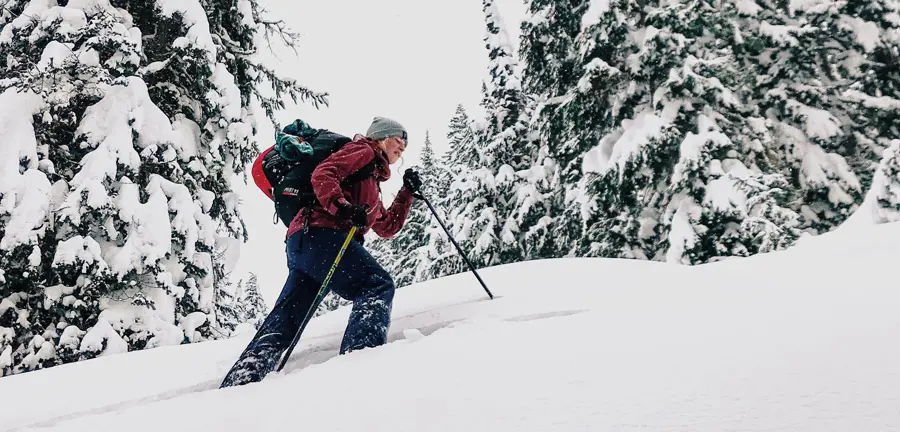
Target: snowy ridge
[781, 341]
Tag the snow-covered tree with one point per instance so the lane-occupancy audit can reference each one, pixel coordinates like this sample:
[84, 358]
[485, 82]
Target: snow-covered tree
[252, 304]
[678, 180]
[481, 198]
[239, 303]
[462, 157]
[118, 215]
[547, 46]
[574, 112]
[818, 63]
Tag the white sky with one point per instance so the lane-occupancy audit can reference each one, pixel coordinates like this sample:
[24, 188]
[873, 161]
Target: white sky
[410, 60]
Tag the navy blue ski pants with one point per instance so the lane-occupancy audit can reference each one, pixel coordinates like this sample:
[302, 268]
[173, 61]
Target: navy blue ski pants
[358, 278]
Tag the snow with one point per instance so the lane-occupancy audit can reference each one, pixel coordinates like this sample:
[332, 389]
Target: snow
[54, 55]
[194, 17]
[867, 33]
[682, 235]
[692, 147]
[79, 249]
[121, 315]
[186, 136]
[617, 345]
[89, 57]
[24, 191]
[748, 7]
[883, 102]
[227, 96]
[882, 187]
[108, 125]
[190, 323]
[245, 8]
[636, 133]
[103, 339]
[71, 19]
[779, 33]
[810, 6]
[819, 123]
[595, 10]
[149, 237]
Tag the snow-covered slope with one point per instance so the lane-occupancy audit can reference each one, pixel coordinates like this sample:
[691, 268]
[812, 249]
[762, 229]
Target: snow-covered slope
[802, 340]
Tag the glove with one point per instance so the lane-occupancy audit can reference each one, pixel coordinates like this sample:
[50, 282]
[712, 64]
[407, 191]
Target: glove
[356, 214]
[412, 182]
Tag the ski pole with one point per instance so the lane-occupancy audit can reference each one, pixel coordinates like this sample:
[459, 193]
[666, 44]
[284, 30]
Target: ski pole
[458, 248]
[323, 290]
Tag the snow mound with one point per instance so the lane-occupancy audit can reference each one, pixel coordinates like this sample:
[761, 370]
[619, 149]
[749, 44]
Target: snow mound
[799, 340]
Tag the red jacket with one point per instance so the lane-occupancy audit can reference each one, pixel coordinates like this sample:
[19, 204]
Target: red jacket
[326, 182]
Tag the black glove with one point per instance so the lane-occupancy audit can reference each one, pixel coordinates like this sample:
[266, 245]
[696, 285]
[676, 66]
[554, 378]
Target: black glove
[412, 182]
[356, 214]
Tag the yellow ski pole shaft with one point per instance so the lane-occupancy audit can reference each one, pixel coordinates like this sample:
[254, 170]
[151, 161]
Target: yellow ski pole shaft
[323, 290]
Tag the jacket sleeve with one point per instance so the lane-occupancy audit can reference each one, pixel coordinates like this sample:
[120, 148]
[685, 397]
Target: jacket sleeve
[389, 221]
[328, 175]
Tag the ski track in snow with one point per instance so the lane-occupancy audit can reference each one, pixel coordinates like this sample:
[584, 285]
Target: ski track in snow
[312, 353]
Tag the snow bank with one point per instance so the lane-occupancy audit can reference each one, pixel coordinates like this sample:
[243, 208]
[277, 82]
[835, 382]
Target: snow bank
[614, 345]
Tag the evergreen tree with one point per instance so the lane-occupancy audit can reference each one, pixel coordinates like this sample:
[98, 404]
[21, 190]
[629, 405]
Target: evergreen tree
[116, 201]
[678, 180]
[483, 198]
[228, 307]
[873, 24]
[575, 113]
[238, 304]
[253, 307]
[808, 57]
[462, 157]
[547, 46]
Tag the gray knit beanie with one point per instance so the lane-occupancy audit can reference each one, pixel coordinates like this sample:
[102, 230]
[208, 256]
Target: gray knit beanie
[382, 128]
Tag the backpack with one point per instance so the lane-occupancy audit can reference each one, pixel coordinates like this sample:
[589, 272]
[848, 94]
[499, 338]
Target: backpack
[289, 166]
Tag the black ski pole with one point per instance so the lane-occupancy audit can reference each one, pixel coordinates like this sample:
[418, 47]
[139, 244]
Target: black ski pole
[458, 248]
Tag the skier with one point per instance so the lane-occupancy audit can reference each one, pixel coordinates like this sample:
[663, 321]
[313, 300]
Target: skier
[314, 238]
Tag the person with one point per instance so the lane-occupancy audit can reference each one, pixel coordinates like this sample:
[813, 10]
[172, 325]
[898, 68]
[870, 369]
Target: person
[313, 242]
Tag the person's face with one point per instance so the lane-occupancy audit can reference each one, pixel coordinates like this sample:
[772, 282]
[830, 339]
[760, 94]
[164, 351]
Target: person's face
[394, 147]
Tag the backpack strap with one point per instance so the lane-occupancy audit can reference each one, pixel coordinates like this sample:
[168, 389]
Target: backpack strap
[360, 175]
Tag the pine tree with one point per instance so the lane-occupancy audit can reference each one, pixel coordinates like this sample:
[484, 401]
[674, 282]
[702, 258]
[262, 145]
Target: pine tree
[873, 24]
[809, 57]
[548, 46]
[574, 113]
[116, 201]
[237, 304]
[253, 307]
[461, 158]
[228, 307]
[679, 180]
[482, 198]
